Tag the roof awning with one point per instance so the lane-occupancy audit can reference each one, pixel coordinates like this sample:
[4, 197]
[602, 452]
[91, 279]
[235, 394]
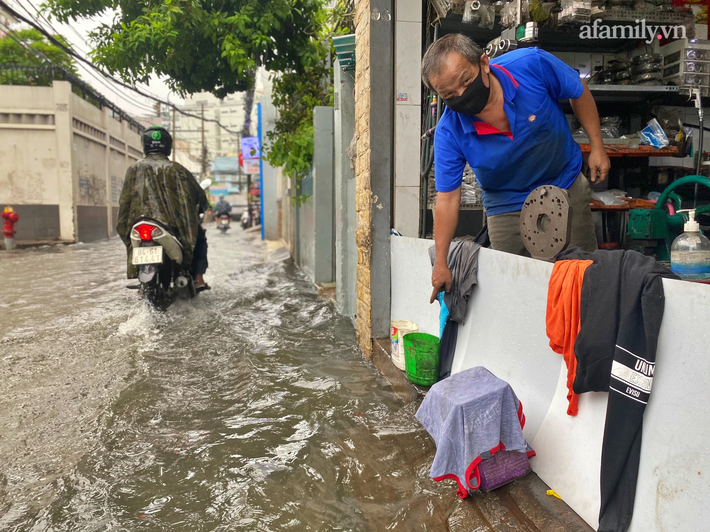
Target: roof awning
[345, 50]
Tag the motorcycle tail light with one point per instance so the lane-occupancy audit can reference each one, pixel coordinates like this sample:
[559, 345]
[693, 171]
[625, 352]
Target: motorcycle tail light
[156, 232]
[145, 231]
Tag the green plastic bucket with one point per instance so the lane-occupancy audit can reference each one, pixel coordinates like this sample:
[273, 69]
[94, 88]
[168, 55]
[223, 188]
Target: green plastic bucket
[421, 358]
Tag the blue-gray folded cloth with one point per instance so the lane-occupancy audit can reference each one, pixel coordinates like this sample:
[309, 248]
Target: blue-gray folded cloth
[471, 415]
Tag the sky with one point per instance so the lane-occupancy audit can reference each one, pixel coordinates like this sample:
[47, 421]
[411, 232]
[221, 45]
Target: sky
[77, 35]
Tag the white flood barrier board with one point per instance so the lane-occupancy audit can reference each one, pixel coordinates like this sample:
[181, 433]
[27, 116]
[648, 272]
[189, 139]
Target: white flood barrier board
[504, 331]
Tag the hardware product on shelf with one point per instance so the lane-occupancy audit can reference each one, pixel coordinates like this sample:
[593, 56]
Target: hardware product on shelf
[575, 12]
[686, 63]
[650, 16]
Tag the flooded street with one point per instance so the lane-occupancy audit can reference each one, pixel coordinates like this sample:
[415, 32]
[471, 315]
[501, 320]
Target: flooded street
[249, 408]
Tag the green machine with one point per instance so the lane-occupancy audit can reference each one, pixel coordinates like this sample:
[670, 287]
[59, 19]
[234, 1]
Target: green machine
[655, 229]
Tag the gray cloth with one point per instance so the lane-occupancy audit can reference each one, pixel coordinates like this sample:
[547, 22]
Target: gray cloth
[504, 229]
[462, 260]
[468, 415]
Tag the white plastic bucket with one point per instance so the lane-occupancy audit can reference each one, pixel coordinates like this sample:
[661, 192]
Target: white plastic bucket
[397, 331]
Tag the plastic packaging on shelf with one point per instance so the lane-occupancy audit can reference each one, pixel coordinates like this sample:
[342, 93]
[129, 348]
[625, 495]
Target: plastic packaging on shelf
[695, 80]
[618, 73]
[470, 11]
[487, 16]
[575, 12]
[703, 68]
[471, 193]
[509, 14]
[610, 127]
[653, 135]
[647, 58]
[610, 197]
[697, 55]
[650, 78]
[644, 68]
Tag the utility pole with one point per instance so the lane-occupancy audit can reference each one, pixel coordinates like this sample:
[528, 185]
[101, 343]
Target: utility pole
[251, 221]
[204, 162]
[174, 135]
[239, 166]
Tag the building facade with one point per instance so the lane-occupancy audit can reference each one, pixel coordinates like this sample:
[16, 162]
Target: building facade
[231, 112]
[63, 162]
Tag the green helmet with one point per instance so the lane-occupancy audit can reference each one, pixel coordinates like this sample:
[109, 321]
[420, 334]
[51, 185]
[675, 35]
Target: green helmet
[156, 139]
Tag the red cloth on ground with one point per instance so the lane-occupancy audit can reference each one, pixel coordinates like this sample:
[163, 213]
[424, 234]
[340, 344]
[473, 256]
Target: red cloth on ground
[563, 316]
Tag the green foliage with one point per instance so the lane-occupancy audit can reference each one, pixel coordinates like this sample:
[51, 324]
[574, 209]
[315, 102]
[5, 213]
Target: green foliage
[14, 54]
[296, 93]
[290, 144]
[200, 45]
[216, 45]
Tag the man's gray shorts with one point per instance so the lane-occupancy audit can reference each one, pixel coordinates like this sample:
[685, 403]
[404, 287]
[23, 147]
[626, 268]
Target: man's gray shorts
[504, 229]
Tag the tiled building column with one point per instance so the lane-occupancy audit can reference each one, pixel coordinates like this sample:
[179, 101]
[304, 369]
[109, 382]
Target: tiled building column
[374, 108]
[407, 120]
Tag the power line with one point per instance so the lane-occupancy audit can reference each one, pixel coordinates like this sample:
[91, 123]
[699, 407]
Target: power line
[54, 41]
[69, 76]
[39, 13]
[27, 46]
[143, 106]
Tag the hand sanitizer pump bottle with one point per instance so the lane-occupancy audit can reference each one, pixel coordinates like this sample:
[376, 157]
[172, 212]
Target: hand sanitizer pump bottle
[690, 252]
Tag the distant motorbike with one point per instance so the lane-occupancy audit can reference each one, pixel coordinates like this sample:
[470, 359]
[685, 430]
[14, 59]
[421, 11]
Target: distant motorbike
[244, 221]
[159, 257]
[223, 224]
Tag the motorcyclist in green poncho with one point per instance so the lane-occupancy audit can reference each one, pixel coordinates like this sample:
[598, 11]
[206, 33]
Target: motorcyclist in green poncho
[166, 191]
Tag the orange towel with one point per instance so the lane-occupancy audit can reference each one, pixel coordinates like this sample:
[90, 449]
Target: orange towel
[564, 296]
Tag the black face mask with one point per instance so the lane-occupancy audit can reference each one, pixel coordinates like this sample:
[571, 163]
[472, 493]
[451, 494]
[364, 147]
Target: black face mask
[473, 99]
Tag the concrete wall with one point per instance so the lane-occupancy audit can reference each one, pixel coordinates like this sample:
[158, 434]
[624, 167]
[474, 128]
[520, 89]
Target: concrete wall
[504, 331]
[63, 162]
[345, 245]
[323, 194]
[407, 119]
[288, 215]
[305, 229]
[29, 177]
[314, 231]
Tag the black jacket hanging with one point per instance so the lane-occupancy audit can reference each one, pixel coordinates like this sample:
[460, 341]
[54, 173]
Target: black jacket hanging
[621, 313]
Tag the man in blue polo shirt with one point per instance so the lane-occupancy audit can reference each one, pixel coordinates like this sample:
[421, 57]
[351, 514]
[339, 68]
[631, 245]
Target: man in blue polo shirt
[504, 118]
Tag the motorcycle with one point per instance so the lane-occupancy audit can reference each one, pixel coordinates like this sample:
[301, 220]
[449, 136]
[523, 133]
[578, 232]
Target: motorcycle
[245, 220]
[223, 224]
[158, 255]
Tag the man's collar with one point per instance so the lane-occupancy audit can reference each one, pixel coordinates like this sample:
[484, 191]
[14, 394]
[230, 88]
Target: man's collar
[507, 82]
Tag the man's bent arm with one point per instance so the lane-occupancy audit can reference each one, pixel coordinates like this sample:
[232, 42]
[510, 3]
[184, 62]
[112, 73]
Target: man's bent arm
[445, 221]
[585, 109]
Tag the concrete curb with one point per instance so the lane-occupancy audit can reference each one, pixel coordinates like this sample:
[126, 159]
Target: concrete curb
[401, 385]
[25, 244]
